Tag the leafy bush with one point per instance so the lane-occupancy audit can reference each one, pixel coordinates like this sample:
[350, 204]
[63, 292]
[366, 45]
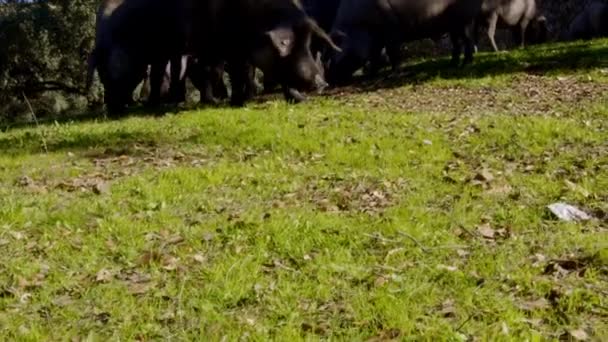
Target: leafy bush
[43, 53]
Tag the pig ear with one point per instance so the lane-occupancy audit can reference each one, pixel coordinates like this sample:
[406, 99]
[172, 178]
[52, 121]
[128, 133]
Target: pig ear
[282, 39]
[322, 34]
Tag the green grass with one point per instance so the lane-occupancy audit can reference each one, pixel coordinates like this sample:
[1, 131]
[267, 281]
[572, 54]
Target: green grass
[359, 215]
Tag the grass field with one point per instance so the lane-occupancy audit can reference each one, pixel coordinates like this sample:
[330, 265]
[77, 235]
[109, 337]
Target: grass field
[410, 207]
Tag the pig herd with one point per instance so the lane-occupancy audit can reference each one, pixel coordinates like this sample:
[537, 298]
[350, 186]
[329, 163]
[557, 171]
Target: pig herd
[298, 45]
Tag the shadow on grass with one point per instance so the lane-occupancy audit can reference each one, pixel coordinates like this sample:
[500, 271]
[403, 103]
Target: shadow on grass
[115, 142]
[95, 114]
[561, 58]
[538, 60]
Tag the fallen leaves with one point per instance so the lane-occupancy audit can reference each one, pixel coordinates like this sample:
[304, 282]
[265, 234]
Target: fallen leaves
[139, 288]
[137, 283]
[104, 276]
[579, 334]
[448, 309]
[486, 231]
[31, 185]
[386, 335]
[536, 94]
[490, 234]
[563, 267]
[534, 304]
[135, 158]
[484, 176]
[447, 268]
[89, 183]
[36, 281]
[331, 194]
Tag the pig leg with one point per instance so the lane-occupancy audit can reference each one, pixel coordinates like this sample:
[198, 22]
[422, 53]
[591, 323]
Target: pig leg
[522, 34]
[269, 84]
[469, 46]
[217, 82]
[238, 79]
[292, 95]
[393, 52]
[456, 48]
[207, 93]
[144, 92]
[157, 72]
[376, 60]
[202, 77]
[177, 88]
[492, 21]
[250, 87]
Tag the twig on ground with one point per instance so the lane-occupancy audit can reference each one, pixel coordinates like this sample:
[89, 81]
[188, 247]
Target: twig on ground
[29, 105]
[465, 322]
[421, 246]
[379, 237]
[474, 235]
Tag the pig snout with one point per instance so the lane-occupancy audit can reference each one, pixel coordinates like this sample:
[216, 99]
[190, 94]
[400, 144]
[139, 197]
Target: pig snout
[320, 83]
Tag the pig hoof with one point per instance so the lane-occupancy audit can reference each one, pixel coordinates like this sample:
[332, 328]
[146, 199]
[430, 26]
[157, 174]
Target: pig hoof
[237, 103]
[152, 103]
[209, 101]
[294, 96]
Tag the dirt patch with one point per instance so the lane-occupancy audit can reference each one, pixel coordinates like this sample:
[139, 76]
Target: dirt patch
[334, 194]
[112, 164]
[141, 158]
[526, 95]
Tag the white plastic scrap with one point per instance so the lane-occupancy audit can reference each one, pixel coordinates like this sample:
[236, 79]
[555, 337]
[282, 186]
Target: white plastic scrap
[567, 212]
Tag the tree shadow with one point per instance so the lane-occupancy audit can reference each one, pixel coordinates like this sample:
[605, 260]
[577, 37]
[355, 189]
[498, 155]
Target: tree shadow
[121, 142]
[537, 60]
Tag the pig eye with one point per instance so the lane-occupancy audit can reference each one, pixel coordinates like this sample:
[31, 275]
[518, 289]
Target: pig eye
[284, 42]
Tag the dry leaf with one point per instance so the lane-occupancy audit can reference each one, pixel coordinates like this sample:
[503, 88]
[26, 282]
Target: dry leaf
[533, 305]
[380, 281]
[150, 257]
[386, 335]
[101, 188]
[484, 176]
[566, 266]
[447, 268]
[486, 231]
[500, 189]
[25, 181]
[170, 263]
[139, 288]
[199, 258]
[17, 235]
[174, 239]
[534, 322]
[462, 253]
[62, 301]
[104, 276]
[579, 335]
[111, 245]
[505, 328]
[448, 309]
[538, 259]
[167, 317]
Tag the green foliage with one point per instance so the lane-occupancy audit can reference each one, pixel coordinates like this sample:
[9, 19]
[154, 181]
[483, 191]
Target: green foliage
[43, 47]
[413, 210]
